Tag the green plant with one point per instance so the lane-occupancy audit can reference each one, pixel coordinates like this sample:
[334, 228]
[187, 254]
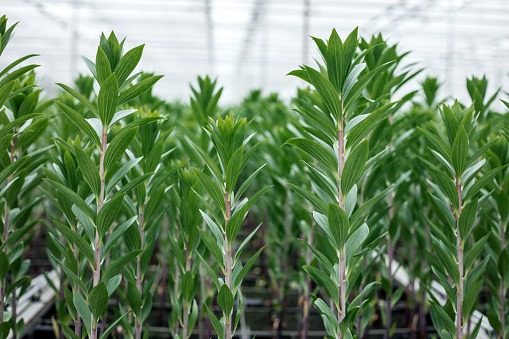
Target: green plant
[229, 141]
[494, 220]
[148, 153]
[19, 100]
[185, 249]
[456, 199]
[385, 85]
[99, 167]
[337, 141]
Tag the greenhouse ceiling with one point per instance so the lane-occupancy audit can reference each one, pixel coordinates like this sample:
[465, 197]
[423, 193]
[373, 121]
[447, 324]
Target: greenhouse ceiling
[254, 43]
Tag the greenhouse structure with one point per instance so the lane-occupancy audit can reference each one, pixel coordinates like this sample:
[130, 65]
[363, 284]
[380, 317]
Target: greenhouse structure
[254, 169]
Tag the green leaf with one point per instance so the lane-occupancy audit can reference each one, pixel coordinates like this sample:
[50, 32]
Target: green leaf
[471, 298]
[133, 297]
[358, 215]
[218, 327]
[334, 59]
[80, 122]
[4, 265]
[317, 151]
[5, 91]
[449, 263]
[188, 287]
[210, 271]
[232, 228]
[134, 183]
[16, 74]
[326, 91]
[107, 99]
[437, 143]
[117, 233]
[447, 186]
[325, 263]
[212, 247]
[352, 78]
[450, 121]
[5, 328]
[108, 214]
[67, 331]
[246, 268]
[460, 152]
[355, 241]
[363, 128]
[83, 310]
[244, 243]
[246, 184]
[17, 62]
[88, 169]
[354, 166]
[73, 196]
[210, 164]
[319, 204]
[476, 329]
[467, 219]
[138, 89]
[102, 66]
[128, 63]
[474, 252]
[113, 325]
[359, 296]
[81, 98]
[359, 86]
[117, 147]
[225, 300]
[116, 265]
[323, 280]
[444, 317]
[338, 225]
[113, 283]
[233, 169]
[98, 300]
[481, 182]
[7, 128]
[325, 310]
[74, 238]
[211, 188]
[120, 173]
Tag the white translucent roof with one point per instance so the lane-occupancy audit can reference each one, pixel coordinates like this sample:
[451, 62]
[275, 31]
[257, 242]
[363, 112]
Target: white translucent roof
[254, 43]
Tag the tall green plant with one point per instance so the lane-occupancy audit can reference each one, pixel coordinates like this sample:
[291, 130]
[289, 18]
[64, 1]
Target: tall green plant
[495, 220]
[99, 167]
[64, 168]
[148, 152]
[386, 85]
[229, 141]
[185, 249]
[456, 198]
[337, 141]
[19, 100]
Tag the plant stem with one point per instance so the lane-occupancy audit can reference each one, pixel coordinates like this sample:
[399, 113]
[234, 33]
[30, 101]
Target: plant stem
[137, 328]
[227, 264]
[97, 259]
[459, 249]
[341, 312]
